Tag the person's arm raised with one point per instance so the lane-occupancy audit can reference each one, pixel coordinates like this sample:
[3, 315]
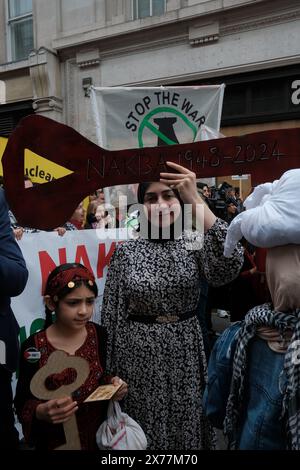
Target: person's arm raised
[184, 181]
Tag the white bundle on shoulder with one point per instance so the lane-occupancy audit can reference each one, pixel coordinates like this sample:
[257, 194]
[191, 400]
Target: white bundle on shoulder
[272, 215]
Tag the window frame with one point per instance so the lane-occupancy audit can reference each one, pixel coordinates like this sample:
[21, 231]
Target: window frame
[135, 8]
[10, 21]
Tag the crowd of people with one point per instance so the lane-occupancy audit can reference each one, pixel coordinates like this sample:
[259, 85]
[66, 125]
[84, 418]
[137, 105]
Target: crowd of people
[225, 200]
[152, 341]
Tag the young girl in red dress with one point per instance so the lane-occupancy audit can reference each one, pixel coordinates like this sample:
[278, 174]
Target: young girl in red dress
[70, 292]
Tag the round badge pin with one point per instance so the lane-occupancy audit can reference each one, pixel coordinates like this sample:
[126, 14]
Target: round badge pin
[32, 355]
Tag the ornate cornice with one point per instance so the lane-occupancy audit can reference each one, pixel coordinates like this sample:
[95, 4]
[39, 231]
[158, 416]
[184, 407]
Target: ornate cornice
[50, 103]
[259, 23]
[144, 46]
[89, 63]
[88, 58]
[202, 34]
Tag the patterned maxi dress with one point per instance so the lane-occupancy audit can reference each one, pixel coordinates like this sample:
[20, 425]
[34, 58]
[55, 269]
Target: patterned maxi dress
[164, 364]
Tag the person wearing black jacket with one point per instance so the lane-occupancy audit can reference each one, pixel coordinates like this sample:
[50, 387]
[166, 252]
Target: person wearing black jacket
[13, 278]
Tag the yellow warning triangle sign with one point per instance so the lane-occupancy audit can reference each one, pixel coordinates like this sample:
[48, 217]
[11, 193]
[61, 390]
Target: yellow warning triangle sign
[39, 169]
[3, 143]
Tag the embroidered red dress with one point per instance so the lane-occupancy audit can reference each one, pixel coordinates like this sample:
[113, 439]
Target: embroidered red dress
[47, 436]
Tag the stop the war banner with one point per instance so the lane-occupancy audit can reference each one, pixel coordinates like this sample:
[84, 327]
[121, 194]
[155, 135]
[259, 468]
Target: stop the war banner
[131, 117]
[43, 251]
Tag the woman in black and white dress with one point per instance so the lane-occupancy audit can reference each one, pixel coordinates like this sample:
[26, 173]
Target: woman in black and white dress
[149, 309]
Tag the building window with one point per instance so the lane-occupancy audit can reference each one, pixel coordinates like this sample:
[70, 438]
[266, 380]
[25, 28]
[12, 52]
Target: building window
[20, 28]
[144, 8]
[10, 115]
[262, 96]
[259, 100]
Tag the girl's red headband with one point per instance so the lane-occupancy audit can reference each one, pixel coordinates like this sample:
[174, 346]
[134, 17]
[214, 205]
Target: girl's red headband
[68, 278]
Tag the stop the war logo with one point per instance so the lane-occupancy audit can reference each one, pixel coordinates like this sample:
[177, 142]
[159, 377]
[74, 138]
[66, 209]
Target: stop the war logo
[160, 117]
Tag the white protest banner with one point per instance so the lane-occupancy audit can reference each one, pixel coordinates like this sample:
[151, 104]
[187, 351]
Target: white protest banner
[131, 117]
[43, 251]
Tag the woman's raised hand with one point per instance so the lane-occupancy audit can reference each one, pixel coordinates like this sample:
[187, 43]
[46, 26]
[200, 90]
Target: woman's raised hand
[184, 181]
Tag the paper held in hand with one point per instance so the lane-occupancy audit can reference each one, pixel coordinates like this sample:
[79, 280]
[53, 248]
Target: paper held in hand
[103, 392]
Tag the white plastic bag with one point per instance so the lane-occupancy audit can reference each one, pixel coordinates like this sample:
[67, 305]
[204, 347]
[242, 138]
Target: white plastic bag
[272, 216]
[119, 431]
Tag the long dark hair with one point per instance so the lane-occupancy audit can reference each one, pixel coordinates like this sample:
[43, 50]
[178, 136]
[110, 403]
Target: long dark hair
[65, 289]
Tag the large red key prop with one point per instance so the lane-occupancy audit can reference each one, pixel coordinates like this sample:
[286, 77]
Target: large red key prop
[265, 155]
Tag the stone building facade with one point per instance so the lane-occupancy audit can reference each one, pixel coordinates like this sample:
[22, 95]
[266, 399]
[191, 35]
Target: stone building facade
[51, 50]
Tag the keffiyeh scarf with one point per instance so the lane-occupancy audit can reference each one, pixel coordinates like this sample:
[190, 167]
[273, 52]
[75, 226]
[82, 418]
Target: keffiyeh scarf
[264, 316]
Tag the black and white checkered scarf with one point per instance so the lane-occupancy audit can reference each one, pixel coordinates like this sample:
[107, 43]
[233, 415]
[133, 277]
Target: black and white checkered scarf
[263, 315]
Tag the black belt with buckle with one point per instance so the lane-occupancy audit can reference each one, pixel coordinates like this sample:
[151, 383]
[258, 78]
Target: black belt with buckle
[161, 319]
